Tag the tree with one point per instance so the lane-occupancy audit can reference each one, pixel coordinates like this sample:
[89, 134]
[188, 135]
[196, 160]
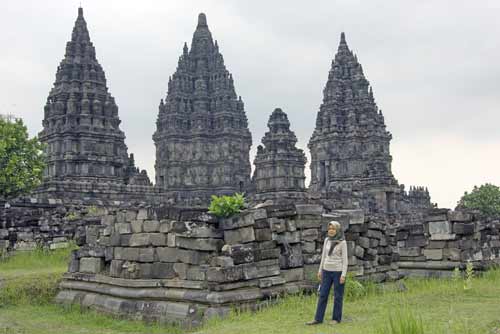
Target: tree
[486, 199]
[21, 159]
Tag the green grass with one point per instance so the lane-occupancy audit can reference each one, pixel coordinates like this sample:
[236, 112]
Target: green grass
[427, 306]
[39, 261]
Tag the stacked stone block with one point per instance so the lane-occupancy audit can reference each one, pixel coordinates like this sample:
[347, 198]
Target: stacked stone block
[27, 225]
[445, 240]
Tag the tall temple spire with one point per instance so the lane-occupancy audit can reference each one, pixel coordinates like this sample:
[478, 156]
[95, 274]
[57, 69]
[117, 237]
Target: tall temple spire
[202, 21]
[81, 124]
[202, 135]
[350, 143]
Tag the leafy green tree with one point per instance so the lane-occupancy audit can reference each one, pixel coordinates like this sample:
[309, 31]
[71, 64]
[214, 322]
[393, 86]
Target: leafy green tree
[485, 198]
[226, 206]
[21, 159]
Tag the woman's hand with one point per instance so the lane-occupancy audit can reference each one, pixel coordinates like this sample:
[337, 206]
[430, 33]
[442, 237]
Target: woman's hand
[342, 279]
[319, 276]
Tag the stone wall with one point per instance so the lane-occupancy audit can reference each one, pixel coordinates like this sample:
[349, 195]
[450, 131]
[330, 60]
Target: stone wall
[26, 225]
[445, 240]
[184, 265]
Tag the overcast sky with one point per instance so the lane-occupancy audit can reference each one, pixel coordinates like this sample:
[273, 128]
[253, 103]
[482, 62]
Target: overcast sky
[434, 67]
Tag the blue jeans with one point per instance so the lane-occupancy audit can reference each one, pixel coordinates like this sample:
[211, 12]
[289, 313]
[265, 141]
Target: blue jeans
[327, 279]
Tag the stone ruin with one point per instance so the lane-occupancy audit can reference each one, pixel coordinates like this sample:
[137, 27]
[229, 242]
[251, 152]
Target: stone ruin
[84, 143]
[279, 165]
[182, 265]
[153, 252]
[202, 137]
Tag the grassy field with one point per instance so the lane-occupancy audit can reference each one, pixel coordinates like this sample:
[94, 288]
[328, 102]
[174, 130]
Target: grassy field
[430, 306]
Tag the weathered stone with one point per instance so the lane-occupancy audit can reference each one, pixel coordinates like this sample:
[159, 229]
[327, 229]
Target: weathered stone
[221, 275]
[146, 254]
[459, 216]
[364, 242]
[463, 228]
[222, 261]
[452, 254]
[411, 251]
[266, 254]
[151, 226]
[171, 240]
[291, 256]
[304, 223]
[163, 270]
[443, 236]
[293, 275]
[263, 234]
[433, 254]
[242, 235]
[115, 268]
[126, 253]
[287, 237]
[239, 253]
[237, 222]
[166, 226]
[167, 254]
[197, 273]
[180, 270]
[199, 244]
[309, 209]
[309, 247]
[123, 228]
[277, 225]
[259, 214]
[374, 234]
[440, 227]
[359, 251]
[140, 240]
[91, 265]
[310, 234]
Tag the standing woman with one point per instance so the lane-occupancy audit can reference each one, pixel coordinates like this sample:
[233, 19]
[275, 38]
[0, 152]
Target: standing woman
[332, 270]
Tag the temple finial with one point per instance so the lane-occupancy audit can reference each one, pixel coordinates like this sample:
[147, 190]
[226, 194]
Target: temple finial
[80, 11]
[202, 20]
[342, 38]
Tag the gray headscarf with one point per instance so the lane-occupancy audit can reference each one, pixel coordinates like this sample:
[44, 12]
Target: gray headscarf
[339, 236]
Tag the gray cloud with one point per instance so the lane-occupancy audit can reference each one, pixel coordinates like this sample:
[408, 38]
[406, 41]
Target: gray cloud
[433, 66]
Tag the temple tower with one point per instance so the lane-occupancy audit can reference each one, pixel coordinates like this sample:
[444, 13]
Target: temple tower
[81, 130]
[202, 138]
[279, 164]
[350, 144]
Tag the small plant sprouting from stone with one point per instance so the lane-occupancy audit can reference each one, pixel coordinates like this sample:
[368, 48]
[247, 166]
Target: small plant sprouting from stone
[226, 206]
[469, 275]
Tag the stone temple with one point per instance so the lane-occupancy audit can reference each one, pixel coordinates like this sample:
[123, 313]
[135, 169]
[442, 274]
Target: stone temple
[203, 141]
[350, 144]
[202, 138]
[81, 127]
[279, 164]
[155, 253]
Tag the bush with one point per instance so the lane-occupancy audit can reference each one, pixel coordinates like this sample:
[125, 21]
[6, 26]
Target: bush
[21, 159]
[226, 206]
[486, 199]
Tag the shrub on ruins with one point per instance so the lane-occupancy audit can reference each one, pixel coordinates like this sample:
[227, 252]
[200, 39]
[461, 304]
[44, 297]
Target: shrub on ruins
[226, 206]
[485, 198]
[21, 159]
